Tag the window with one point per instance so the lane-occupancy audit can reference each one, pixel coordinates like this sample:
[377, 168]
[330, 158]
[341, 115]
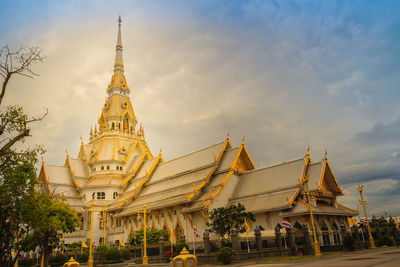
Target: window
[120, 167]
[113, 126]
[101, 195]
[117, 168]
[118, 222]
[115, 195]
[102, 168]
[80, 216]
[174, 212]
[93, 195]
[108, 167]
[162, 214]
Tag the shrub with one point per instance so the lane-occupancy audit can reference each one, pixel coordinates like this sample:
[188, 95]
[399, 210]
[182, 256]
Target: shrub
[349, 242]
[113, 254]
[72, 247]
[25, 262]
[58, 260]
[83, 258]
[169, 254]
[387, 241]
[180, 246]
[101, 252]
[225, 255]
[125, 254]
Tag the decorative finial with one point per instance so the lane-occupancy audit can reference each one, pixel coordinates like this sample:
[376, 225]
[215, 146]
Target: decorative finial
[227, 136]
[360, 188]
[243, 140]
[308, 149]
[91, 131]
[326, 153]
[119, 20]
[160, 151]
[66, 151]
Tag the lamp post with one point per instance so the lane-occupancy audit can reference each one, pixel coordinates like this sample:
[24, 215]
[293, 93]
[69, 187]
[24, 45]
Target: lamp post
[144, 212]
[104, 220]
[309, 195]
[90, 261]
[364, 203]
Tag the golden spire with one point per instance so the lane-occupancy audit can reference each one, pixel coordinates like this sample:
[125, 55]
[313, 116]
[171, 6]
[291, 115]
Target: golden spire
[91, 131]
[119, 63]
[118, 80]
[95, 129]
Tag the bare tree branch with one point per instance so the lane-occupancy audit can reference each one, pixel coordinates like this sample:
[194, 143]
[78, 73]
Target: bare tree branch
[22, 131]
[23, 59]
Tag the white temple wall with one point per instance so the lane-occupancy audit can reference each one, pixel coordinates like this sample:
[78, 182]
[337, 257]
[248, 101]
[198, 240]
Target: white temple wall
[222, 199]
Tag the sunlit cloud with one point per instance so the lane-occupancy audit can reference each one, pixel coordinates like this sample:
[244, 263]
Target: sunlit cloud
[280, 73]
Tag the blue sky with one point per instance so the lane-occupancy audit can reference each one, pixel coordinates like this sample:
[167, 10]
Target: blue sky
[281, 73]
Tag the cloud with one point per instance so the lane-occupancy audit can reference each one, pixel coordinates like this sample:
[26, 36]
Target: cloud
[283, 74]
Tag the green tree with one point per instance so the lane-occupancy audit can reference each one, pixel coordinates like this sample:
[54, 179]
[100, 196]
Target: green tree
[17, 180]
[49, 217]
[17, 171]
[223, 220]
[152, 236]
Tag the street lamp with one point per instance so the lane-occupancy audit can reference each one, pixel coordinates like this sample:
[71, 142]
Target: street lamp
[104, 221]
[90, 261]
[144, 212]
[309, 195]
[364, 203]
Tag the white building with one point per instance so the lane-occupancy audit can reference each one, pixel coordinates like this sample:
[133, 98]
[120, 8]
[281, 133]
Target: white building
[117, 170]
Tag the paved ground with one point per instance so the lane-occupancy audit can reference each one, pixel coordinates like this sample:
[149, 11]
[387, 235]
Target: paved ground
[384, 257]
[381, 257]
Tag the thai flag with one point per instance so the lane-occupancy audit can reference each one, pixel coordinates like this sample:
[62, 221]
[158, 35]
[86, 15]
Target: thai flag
[286, 224]
[195, 232]
[363, 221]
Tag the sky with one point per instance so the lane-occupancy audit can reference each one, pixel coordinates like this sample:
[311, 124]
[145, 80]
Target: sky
[283, 74]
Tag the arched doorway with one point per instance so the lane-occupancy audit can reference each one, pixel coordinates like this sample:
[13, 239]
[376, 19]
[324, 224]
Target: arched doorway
[178, 232]
[325, 234]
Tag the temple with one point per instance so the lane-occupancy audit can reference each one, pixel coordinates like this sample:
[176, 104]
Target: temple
[117, 171]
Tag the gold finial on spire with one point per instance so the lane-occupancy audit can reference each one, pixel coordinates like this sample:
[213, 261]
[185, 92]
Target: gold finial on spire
[119, 20]
[227, 136]
[326, 153]
[66, 151]
[308, 150]
[91, 131]
[159, 153]
[243, 140]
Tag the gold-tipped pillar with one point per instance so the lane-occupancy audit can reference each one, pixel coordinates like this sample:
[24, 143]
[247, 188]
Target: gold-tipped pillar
[317, 248]
[90, 261]
[144, 212]
[363, 203]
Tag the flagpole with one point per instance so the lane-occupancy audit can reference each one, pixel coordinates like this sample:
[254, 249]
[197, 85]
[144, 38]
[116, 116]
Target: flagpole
[284, 238]
[171, 242]
[248, 245]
